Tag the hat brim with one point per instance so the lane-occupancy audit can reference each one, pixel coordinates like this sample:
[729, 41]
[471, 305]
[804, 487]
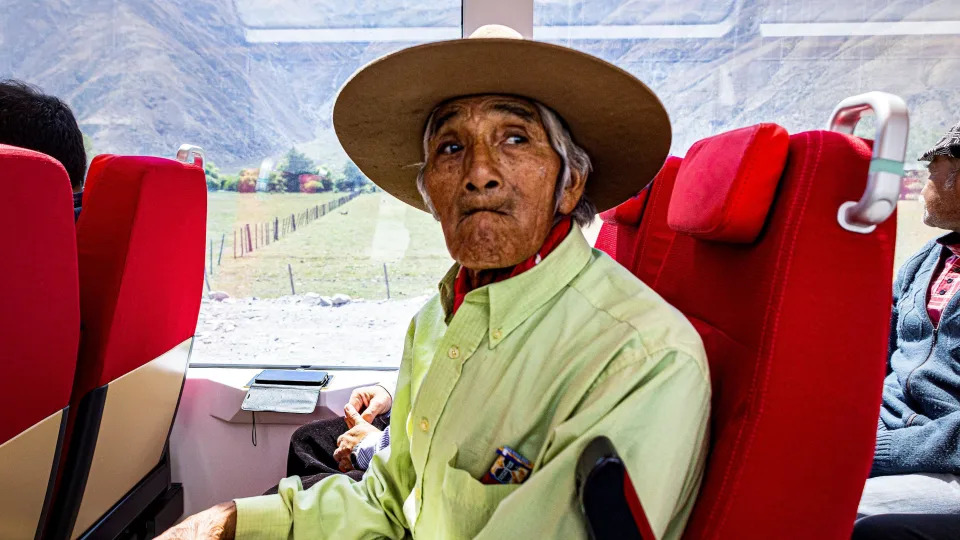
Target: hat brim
[381, 112]
[945, 149]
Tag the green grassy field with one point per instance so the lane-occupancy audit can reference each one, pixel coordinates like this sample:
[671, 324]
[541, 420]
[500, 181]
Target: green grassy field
[228, 210]
[342, 252]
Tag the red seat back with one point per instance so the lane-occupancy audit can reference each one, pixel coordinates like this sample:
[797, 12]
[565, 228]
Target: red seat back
[40, 315]
[39, 330]
[793, 311]
[140, 243]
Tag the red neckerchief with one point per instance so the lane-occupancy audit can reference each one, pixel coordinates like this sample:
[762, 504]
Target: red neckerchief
[461, 286]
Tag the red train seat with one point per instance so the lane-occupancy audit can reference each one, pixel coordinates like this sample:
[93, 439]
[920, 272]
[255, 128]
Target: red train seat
[621, 233]
[140, 241]
[791, 307]
[39, 331]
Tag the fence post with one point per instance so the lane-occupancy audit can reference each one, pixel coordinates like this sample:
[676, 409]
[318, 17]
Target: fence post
[234, 243]
[243, 243]
[293, 222]
[290, 270]
[249, 240]
[276, 228]
[223, 237]
[386, 280]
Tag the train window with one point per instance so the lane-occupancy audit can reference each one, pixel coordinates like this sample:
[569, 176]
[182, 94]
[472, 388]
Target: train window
[301, 250]
[719, 65]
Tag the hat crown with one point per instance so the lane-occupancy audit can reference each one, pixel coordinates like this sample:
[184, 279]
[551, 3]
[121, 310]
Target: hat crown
[495, 31]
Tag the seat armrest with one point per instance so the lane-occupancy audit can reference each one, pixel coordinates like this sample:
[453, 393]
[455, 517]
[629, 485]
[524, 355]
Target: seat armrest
[609, 503]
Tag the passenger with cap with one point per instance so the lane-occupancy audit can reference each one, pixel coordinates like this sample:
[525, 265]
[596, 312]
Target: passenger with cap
[536, 344]
[914, 491]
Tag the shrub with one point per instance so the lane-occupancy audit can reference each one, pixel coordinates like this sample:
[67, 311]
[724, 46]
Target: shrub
[248, 180]
[212, 172]
[229, 182]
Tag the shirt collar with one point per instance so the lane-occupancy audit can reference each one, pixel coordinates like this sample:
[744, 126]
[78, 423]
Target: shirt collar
[512, 301]
[951, 241]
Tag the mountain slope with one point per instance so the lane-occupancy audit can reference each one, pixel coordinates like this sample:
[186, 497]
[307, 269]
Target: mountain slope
[144, 76]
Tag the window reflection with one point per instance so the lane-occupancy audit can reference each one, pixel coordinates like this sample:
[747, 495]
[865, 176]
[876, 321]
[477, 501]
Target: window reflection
[723, 65]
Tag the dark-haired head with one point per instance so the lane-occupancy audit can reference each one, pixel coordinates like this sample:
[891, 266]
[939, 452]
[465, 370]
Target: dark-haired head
[33, 120]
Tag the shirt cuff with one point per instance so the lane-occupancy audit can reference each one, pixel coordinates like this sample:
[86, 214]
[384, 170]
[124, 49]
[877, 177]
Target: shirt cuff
[365, 449]
[883, 455]
[263, 517]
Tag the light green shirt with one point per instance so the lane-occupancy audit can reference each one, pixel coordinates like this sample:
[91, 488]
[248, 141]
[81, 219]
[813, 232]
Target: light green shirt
[543, 362]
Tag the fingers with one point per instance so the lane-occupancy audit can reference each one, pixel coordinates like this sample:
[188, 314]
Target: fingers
[358, 399]
[378, 405]
[342, 455]
[369, 414]
[351, 415]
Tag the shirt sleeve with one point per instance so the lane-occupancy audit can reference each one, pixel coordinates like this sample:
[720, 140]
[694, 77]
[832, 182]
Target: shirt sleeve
[337, 507]
[933, 447]
[655, 409]
[365, 449]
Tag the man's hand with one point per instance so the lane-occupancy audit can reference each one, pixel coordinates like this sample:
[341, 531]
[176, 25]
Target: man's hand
[217, 523]
[359, 429]
[371, 401]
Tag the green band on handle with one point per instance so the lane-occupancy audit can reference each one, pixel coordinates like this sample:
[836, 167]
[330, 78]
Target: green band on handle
[886, 165]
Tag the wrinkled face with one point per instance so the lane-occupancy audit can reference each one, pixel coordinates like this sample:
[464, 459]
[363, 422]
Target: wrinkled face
[941, 194]
[490, 174]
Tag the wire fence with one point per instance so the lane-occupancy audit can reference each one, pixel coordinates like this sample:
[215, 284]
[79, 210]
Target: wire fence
[249, 237]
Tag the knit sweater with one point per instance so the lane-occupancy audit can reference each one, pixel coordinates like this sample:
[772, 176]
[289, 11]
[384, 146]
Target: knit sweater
[919, 426]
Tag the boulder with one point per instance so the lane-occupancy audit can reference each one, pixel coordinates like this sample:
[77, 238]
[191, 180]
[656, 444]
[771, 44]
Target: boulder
[325, 301]
[340, 299]
[219, 296]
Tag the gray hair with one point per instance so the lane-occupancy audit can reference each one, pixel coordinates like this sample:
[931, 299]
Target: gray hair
[572, 157]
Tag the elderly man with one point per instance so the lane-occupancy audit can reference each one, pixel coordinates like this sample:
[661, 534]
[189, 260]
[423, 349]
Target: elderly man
[915, 489]
[536, 344]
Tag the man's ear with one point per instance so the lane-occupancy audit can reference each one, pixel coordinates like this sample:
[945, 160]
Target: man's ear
[573, 192]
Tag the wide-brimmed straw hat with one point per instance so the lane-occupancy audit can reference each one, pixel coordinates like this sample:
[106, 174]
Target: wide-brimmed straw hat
[948, 145]
[381, 111]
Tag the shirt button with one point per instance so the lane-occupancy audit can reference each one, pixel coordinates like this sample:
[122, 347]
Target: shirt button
[942, 292]
[424, 424]
[497, 334]
[950, 280]
[454, 352]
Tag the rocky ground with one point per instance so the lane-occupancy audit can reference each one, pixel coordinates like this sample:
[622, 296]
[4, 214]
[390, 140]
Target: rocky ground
[303, 329]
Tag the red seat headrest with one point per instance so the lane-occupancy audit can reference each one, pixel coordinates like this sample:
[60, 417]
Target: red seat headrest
[727, 182]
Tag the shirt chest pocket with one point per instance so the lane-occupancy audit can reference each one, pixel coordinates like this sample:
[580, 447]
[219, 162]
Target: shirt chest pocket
[467, 504]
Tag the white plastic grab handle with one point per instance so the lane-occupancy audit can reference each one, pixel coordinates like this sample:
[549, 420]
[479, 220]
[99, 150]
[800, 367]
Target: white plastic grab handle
[886, 165]
[185, 151]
